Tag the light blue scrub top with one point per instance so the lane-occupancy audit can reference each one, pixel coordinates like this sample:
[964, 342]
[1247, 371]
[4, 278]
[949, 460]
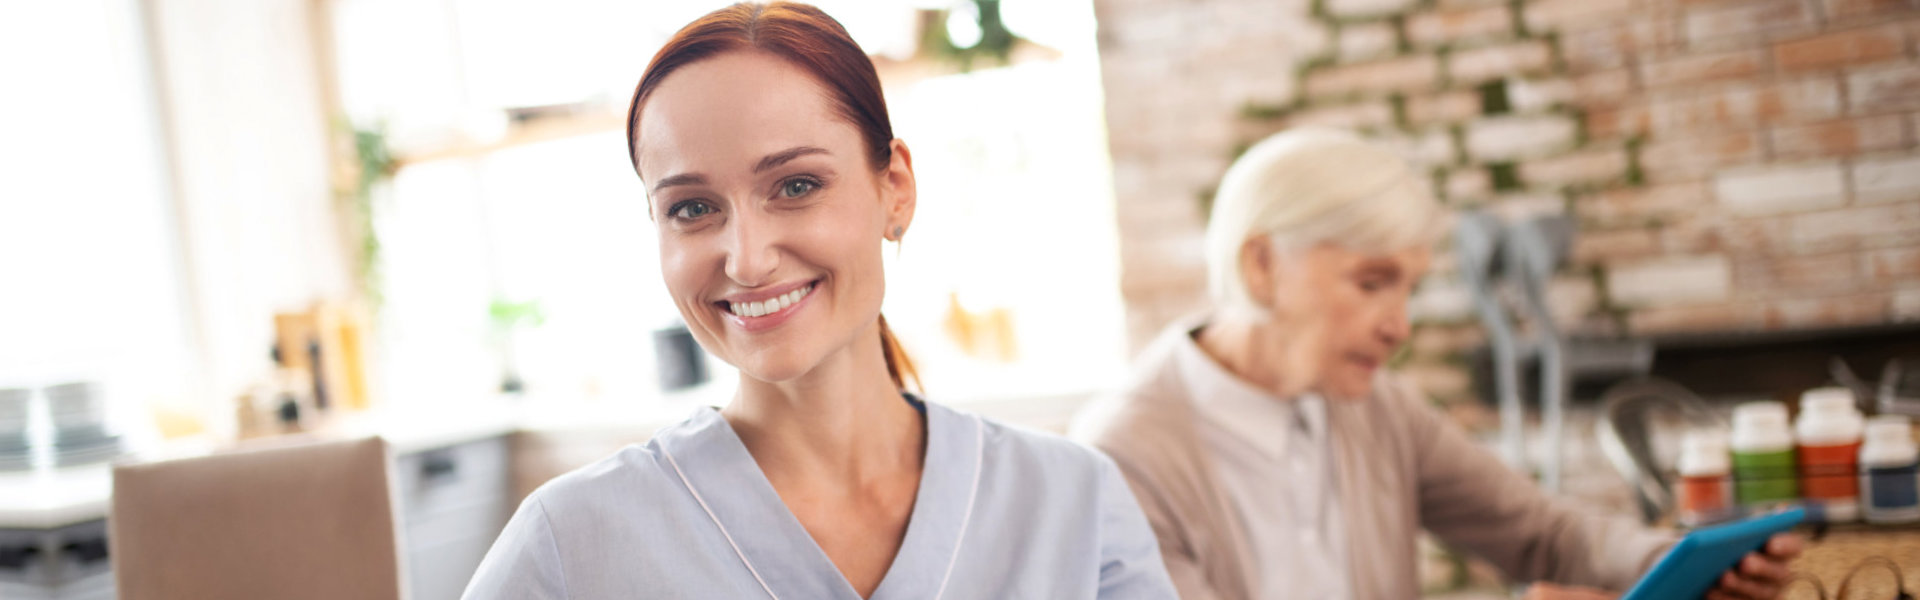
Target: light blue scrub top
[1001, 513]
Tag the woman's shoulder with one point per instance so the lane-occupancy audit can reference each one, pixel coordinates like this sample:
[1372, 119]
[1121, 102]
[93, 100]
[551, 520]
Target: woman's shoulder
[636, 471]
[1151, 419]
[1158, 393]
[1024, 453]
[1398, 401]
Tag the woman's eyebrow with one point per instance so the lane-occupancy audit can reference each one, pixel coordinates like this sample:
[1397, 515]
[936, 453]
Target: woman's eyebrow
[782, 157]
[680, 179]
[1381, 268]
[770, 161]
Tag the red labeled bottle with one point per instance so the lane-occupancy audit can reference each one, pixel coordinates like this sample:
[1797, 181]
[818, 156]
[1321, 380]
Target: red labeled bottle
[1828, 435]
[1705, 494]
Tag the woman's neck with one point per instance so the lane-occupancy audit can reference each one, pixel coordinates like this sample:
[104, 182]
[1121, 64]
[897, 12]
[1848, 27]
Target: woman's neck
[1258, 353]
[843, 423]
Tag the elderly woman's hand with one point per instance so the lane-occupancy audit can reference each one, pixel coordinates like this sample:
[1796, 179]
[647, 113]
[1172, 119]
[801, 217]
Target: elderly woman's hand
[1761, 575]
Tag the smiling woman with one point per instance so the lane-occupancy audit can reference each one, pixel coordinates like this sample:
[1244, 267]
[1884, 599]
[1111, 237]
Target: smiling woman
[765, 188]
[773, 180]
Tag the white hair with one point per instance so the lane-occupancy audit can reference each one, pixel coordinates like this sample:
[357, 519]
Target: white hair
[1309, 186]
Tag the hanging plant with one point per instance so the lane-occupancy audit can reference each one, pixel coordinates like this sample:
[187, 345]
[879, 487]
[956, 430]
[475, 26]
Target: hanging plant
[508, 319]
[372, 164]
[995, 41]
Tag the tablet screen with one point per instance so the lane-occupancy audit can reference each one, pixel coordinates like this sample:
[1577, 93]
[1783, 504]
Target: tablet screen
[1696, 562]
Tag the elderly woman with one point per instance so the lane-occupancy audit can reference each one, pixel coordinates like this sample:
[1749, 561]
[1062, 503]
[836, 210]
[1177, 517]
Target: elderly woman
[1273, 456]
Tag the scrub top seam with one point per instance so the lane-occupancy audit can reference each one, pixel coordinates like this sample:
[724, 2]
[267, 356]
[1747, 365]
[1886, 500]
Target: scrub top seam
[979, 464]
[554, 542]
[717, 523]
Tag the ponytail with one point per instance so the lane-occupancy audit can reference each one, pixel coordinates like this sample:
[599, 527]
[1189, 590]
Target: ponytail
[899, 367]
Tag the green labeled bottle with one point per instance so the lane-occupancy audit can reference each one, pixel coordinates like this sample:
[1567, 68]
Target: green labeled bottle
[1764, 470]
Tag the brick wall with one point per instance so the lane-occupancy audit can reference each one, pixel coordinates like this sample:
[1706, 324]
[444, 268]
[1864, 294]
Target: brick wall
[1734, 164]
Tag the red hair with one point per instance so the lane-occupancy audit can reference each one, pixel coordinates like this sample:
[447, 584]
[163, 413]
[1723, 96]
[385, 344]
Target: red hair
[806, 37]
[798, 33]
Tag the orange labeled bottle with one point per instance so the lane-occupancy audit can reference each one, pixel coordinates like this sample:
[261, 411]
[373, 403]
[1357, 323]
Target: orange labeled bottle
[1828, 435]
[1705, 493]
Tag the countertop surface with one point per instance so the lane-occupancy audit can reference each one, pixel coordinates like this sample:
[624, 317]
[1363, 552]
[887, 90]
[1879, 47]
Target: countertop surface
[52, 498]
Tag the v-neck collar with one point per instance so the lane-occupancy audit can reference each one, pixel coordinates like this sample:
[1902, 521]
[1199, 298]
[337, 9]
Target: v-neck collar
[777, 548]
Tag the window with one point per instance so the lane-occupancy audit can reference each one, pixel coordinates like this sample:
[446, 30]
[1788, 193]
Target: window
[1014, 233]
[91, 283]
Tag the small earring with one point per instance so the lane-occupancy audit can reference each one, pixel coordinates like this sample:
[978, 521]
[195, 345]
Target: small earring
[897, 231]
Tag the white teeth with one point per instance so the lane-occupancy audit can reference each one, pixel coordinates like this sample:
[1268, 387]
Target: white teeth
[769, 306]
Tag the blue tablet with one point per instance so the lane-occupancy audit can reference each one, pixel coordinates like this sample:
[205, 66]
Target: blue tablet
[1695, 564]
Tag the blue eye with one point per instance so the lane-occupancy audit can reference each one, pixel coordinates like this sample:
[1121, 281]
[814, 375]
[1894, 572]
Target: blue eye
[795, 188]
[690, 210]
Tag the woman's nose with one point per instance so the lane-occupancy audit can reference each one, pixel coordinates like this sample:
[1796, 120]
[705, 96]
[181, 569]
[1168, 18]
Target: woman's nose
[751, 257]
[1396, 325]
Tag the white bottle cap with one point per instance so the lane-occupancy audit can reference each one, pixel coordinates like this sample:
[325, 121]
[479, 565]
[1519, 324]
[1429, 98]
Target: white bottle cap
[1833, 399]
[1703, 453]
[1889, 440]
[1828, 416]
[1761, 427]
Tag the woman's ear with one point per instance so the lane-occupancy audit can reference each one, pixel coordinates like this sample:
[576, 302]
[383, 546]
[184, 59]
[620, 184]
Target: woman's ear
[897, 191]
[1259, 270]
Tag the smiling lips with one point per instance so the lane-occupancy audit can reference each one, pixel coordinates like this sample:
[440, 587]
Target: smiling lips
[769, 307]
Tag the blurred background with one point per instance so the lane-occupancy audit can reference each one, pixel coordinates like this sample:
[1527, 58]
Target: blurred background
[414, 219]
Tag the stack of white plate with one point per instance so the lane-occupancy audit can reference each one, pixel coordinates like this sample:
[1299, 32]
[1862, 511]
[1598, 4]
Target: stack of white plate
[78, 413]
[15, 453]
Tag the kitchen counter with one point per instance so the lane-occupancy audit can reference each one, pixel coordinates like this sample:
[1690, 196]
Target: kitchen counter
[47, 499]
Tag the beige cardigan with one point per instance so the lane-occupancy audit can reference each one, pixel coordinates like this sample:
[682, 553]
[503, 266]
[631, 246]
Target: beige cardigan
[1401, 466]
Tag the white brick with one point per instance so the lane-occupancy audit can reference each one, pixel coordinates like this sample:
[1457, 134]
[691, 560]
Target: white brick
[1518, 137]
[1584, 167]
[1407, 73]
[1366, 41]
[1884, 89]
[1906, 305]
[1747, 17]
[1885, 225]
[1345, 116]
[1570, 298]
[1599, 88]
[1432, 27]
[1430, 149]
[1444, 107]
[1670, 280]
[1887, 180]
[1468, 183]
[1441, 300]
[1367, 8]
[1781, 189]
[1549, 15]
[1874, 225]
[1493, 62]
[1515, 208]
[1433, 148]
[1527, 96]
